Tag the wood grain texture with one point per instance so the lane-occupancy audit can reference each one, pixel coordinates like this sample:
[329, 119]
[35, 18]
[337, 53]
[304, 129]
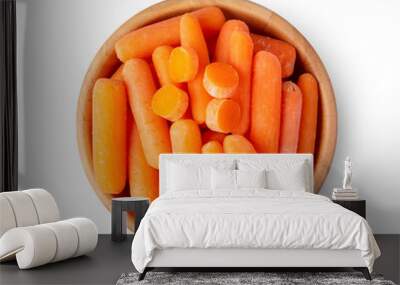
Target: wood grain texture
[261, 20]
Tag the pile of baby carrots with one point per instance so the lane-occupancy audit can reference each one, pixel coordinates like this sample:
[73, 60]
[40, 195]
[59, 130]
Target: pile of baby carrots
[197, 83]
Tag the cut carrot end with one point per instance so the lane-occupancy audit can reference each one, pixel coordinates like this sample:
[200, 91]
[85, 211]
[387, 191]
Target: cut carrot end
[220, 80]
[238, 144]
[183, 64]
[170, 102]
[212, 147]
[222, 115]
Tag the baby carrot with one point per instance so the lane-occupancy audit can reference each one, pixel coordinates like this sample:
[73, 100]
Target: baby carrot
[285, 52]
[220, 80]
[109, 135]
[199, 98]
[153, 130]
[192, 37]
[141, 43]
[185, 136]
[266, 103]
[170, 102]
[223, 115]
[308, 126]
[290, 117]
[118, 73]
[212, 136]
[237, 144]
[223, 44]
[183, 64]
[143, 179]
[241, 58]
[212, 147]
[160, 58]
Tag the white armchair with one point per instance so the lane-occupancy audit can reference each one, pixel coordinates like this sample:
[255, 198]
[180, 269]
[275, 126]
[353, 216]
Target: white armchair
[31, 230]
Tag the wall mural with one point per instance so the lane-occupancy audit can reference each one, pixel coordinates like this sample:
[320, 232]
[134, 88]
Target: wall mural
[198, 83]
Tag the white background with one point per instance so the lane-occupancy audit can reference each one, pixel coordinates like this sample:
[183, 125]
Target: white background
[357, 40]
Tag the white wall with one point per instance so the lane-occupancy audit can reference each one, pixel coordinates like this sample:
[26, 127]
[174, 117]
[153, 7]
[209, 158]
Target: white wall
[357, 40]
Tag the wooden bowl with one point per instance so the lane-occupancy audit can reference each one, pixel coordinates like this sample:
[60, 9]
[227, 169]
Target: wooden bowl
[260, 19]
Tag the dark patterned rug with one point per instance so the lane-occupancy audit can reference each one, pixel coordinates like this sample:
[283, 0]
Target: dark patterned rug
[270, 278]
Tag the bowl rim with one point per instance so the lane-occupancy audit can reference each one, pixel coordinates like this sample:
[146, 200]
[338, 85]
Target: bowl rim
[255, 15]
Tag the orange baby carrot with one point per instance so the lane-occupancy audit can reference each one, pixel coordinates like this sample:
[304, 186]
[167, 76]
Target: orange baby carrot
[109, 135]
[223, 44]
[220, 80]
[183, 64]
[223, 115]
[118, 73]
[212, 147]
[285, 52]
[143, 179]
[308, 126]
[212, 136]
[266, 103]
[153, 130]
[170, 102]
[141, 43]
[241, 58]
[185, 136]
[160, 58]
[192, 37]
[290, 117]
[237, 144]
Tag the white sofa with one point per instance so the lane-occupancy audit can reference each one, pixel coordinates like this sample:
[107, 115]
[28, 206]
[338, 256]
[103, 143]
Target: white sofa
[31, 230]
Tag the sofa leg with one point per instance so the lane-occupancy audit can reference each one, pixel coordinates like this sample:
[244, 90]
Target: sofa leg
[364, 271]
[143, 274]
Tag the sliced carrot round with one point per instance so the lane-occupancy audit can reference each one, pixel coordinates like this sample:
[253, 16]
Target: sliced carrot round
[170, 102]
[222, 115]
[183, 64]
[220, 80]
[212, 147]
[238, 144]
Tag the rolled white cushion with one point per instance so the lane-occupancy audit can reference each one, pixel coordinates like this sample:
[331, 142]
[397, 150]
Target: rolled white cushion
[7, 218]
[87, 235]
[67, 239]
[33, 246]
[40, 244]
[23, 208]
[46, 206]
